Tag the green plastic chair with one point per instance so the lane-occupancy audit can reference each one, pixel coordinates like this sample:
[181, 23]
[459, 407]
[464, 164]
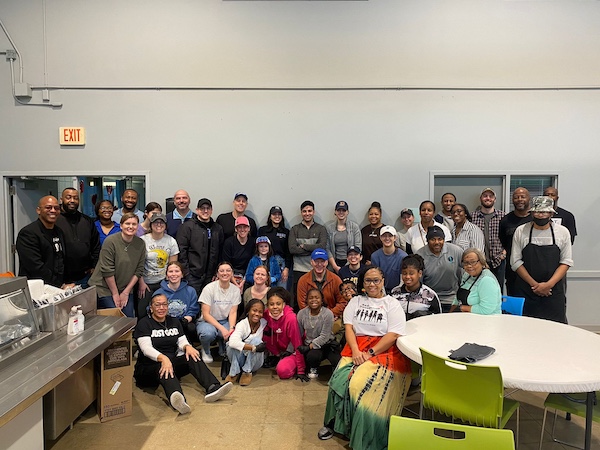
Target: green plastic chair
[414, 434]
[570, 403]
[469, 392]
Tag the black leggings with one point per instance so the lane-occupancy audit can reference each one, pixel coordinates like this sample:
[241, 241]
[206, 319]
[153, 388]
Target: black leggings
[330, 352]
[146, 375]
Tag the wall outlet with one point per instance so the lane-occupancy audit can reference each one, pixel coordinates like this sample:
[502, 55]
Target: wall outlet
[11, 55]
[23, 90]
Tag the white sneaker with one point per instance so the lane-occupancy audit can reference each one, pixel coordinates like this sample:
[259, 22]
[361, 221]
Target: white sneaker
[206, 357]
[178, 402]
[312, 374]
[218, 393]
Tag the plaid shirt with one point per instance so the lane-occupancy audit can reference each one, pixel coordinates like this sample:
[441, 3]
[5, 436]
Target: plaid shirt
[493, 248]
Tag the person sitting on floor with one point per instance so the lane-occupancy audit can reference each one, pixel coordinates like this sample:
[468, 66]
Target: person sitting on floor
[183, 301]
[316, 323]
[282, 336]
[166, 355]
[245, 348]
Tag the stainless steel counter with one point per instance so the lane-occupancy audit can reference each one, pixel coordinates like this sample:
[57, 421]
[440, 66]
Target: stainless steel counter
[30, 377]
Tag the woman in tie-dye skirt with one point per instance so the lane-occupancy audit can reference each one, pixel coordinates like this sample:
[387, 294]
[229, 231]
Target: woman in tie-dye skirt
[371, 380]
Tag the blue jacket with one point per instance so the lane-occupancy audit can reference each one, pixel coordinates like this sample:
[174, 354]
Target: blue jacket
[182, 302]
[274, 269]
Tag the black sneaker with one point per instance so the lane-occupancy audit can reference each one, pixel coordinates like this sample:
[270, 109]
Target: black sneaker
[325, 433]
[270, 362]
[217, 392]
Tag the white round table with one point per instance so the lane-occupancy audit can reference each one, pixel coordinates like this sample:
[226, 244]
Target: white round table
[533, 354]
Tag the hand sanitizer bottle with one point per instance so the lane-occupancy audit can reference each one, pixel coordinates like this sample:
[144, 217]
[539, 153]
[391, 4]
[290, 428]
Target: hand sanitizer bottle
[73, 326]
[80, 319]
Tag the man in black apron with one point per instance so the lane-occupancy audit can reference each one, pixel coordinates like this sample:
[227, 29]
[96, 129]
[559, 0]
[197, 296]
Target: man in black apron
[541, 256]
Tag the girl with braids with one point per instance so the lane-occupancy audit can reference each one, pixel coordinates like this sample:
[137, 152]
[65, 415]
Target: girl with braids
[416, 298]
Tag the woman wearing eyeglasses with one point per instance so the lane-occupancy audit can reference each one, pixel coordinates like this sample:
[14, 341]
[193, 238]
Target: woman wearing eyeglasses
[372, 378]
[104, 222]
[465, 234]
[479, 291]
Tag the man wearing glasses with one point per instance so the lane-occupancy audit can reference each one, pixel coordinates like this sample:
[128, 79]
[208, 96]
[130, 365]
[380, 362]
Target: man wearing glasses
[41, 246]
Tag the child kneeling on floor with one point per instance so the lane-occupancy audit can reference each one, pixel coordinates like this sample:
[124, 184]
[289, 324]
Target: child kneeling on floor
[316, 325]
[245, 348]
[282, 336]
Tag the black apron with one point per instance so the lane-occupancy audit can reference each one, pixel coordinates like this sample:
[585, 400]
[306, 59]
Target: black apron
[541, 262]
[463, 294]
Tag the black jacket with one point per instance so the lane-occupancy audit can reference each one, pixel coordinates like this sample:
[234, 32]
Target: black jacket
[41, 253]
[199, 245]
[82, 244]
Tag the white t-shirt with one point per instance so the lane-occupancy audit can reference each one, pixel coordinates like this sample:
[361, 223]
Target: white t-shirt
[562, 239]
[157, 257]
[220, 300]
[375, 316]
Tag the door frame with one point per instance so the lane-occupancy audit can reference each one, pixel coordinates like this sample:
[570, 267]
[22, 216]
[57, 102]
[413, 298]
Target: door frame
[6, 213]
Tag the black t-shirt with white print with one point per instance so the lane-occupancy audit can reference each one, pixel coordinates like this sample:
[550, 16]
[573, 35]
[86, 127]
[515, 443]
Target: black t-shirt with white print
[164, 336]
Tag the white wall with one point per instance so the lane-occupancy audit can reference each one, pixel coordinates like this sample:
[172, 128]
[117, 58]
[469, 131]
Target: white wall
[284, 146]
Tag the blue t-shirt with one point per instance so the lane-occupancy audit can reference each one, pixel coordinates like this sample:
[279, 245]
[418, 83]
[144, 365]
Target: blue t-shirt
[390, 264]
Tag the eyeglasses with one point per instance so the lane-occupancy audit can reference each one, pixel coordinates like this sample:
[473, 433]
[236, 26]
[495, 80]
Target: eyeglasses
[372, 281]
[50, 208]
[159, 223]
[161, 305]
[106, 208]
[348, 289]
[470, 263]
[458, 211]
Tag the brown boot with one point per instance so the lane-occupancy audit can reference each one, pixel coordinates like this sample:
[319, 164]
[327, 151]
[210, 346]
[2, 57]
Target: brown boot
[231, 379]
[245, 379]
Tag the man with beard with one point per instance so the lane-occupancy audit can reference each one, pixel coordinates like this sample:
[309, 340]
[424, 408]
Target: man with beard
[541, 256]
[508, 225]
[443, 270]
[488, 219]
[41, 246]
[129, 201]
[181, 213]
[82, 241]
[562, 216]
[200, 240]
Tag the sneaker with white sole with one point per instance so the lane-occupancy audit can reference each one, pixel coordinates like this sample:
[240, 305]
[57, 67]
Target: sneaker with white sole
[206, 357]
[325, 433]
[178, 402]
[218, 393]
[312, 374]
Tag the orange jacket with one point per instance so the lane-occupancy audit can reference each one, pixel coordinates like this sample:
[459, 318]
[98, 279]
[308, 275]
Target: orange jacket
[332, 298]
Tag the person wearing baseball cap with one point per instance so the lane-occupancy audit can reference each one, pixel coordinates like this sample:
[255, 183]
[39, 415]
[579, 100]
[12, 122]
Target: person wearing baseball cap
[407, 218]
[443, 270]
[278, 234]
[304, 238]
[200, 240]
[541, 256]
[355, 268]
[160, 250]
[263, 256]
[341, 234]
[238, 250]
[325, 281]
[389, 257]
[227, 220]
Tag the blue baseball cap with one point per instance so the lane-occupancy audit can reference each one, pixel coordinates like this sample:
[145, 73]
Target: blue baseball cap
[319, 253]
[263, 240]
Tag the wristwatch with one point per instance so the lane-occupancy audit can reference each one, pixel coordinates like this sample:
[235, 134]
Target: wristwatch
[371, 352]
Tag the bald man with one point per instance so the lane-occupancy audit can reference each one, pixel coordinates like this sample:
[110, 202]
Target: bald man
[41, 245]
[180, 214]
[508, 225]
[562, 216]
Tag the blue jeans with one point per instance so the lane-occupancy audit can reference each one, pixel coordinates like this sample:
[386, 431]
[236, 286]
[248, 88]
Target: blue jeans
[208, 333]
[245, 361]
[108, 302]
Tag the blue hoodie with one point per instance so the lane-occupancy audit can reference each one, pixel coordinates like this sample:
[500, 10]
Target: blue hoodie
[182, 302]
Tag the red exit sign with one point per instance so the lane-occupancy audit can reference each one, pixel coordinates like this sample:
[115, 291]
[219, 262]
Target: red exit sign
[71, 135]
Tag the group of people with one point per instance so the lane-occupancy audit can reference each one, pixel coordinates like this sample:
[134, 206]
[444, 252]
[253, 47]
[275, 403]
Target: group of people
[190, 278]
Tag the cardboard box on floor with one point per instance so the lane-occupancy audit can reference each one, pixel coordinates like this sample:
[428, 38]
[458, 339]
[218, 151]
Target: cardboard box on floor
[114, 371]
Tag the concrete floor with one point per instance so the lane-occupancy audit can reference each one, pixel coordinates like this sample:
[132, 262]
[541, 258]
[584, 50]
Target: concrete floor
[268, 414]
